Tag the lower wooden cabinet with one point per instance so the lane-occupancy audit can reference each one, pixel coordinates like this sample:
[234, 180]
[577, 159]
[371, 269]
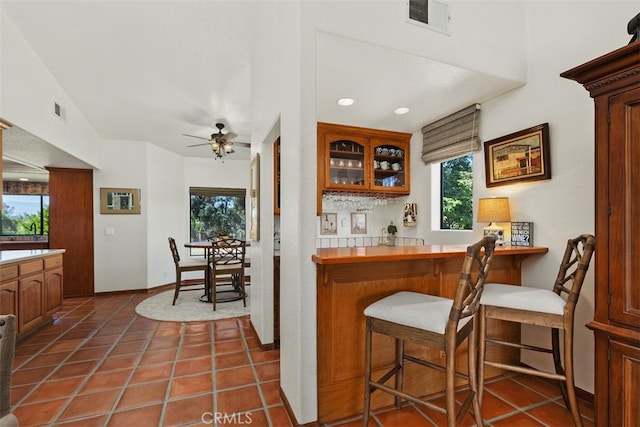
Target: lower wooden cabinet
[624, 369]
[30, 307]
[32, 290]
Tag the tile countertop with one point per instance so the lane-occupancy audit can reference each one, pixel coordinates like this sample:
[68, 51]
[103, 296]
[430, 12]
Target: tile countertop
[8, 257]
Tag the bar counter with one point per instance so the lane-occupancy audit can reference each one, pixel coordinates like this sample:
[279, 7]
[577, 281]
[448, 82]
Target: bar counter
[349, 279]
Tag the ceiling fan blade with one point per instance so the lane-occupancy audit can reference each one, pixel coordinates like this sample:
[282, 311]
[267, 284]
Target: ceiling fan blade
[199, 137]
[242, 144]
[229, 136]
[198, 145]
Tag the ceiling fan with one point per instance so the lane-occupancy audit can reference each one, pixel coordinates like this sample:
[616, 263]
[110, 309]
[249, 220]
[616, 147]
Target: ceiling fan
[221, 143]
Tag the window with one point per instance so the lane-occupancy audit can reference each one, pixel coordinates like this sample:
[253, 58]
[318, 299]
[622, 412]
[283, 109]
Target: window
[216, 212]
[456, 193]
[25, 214]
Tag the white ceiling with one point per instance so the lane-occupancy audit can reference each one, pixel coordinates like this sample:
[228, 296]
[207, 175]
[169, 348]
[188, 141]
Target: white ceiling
[152, 71]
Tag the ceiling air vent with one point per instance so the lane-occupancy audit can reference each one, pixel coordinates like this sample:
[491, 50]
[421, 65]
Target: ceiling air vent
[57, 109]
[431, 14]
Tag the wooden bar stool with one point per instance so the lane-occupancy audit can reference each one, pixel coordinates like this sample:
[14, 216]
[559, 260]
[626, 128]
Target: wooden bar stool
[434, 322]
[541, 307]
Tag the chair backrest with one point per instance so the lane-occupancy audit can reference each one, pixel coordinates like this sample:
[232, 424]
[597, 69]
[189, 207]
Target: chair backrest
[7, 350]
[573, 268]
[475, 270]
[174, 250]
[229, 252]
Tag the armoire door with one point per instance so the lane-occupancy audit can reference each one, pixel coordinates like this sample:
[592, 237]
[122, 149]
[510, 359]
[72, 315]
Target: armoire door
[624, 208]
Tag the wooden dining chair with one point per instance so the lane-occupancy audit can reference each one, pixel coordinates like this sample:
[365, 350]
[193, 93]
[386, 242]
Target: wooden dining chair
[435, 322]
[228, 269]
[550, 308]
[184, 266]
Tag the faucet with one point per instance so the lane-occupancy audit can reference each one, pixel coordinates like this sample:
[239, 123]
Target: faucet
[33, 228]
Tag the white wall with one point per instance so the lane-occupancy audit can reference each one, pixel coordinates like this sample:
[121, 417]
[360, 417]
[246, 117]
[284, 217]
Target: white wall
[560, 36]
[28, 92]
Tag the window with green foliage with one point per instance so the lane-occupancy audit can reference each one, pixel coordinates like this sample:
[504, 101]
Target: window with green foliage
[25, 215]
[217, 212]
[456, 201]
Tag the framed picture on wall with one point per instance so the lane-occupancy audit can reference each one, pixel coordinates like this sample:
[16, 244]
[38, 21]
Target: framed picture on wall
[358, 223]
[518, 157]
[329, 223]
[254, 199]
[119, 200]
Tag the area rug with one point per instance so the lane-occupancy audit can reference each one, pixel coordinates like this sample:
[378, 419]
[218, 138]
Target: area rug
[188, 308]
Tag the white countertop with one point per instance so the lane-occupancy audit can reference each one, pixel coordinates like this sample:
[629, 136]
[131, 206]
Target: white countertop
[7, 257]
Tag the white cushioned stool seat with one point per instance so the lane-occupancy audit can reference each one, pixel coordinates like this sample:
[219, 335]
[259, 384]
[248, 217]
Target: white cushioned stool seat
[427, 312]
[522, 298]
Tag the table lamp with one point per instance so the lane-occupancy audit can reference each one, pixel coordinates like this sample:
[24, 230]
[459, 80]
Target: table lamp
[492, 210]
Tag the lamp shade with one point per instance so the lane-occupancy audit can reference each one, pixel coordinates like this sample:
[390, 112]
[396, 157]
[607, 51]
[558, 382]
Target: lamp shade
[494, 209]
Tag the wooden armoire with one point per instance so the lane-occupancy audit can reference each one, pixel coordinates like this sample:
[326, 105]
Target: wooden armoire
[613, 81]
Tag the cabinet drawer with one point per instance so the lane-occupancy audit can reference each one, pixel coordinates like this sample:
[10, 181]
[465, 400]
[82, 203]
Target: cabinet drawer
[52, 261]
[30, 267]
[8, 273]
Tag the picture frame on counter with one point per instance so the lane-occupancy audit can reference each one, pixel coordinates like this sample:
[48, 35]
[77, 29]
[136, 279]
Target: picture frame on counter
[521, 233]
[329, 223]
[518, 157]
[358, 223]
[120, 201]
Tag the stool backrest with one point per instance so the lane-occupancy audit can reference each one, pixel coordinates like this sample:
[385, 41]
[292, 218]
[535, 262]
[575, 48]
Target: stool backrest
[174, 250]
[475, 269]
[573, 268]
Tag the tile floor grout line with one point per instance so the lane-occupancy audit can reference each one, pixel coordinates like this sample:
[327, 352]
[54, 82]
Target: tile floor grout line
[167, 393]
[123, 388]
[254, 371]
[82, 383]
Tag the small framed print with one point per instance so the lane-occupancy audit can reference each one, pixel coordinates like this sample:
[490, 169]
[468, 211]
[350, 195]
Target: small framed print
[119, 201]
[329, 223]
[358, 223]
[522, 234]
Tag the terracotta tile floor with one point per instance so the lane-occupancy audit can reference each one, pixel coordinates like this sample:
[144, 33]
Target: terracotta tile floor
[99, 364]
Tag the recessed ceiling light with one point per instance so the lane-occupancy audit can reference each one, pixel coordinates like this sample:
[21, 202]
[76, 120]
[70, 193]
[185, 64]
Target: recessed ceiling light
[23, 179]
[345, 101]
[401, 110]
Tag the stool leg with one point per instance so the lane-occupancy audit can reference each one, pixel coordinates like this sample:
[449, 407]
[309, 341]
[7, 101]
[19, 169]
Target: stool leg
[400, 373]
[557, 362]
[367, 374]
[450, 383]
[482, 348]
[472, 360]
[568, 367]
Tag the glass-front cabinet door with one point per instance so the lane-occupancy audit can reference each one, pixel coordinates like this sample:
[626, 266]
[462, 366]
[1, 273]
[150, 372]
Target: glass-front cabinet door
[346, 162]
[390, 165]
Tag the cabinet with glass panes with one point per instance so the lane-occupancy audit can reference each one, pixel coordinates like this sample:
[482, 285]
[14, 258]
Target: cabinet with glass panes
[362, 160]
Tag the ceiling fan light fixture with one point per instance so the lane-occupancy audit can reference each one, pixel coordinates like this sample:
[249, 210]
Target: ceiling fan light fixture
[215, 146]
[228, 147]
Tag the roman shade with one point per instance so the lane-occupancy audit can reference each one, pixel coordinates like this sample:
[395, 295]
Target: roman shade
[453, 136]
[213, 192]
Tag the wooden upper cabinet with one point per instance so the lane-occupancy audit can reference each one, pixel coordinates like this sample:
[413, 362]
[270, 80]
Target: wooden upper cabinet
[361, 160]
